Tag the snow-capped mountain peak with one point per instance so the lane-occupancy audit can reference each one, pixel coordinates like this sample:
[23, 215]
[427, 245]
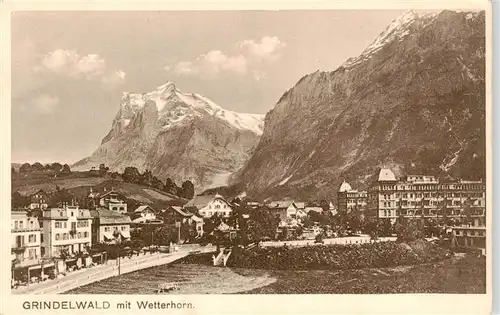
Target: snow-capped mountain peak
[175, 107]
[397, 30]
[178, 135]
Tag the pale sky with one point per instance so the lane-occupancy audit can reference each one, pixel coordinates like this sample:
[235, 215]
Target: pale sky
[69, 69]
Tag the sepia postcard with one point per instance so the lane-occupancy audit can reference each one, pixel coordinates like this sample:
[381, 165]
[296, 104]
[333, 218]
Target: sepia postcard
[246, 158]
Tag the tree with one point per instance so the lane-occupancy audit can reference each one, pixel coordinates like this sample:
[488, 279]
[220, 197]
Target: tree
[66, 169]
[56, 167]
[318, 217]
[187, 190]
[25, 168]
[12, 170]
[156, 183]
[385, 227]
[103, 170]
[19, 201]
[146, 178]
[131, 175]
[61, 196]
[38, 167]
[170, 186]
[325, 205]
[165, 234]
[188, 231]
[268, 223]
[408, 230]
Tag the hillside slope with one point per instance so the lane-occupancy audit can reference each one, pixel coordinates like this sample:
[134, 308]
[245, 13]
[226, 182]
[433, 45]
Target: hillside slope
[413, 101]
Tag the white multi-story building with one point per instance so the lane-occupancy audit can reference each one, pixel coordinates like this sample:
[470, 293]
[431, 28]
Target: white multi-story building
[422, 195]
[210, 205]
[68, 228]
[26, 238]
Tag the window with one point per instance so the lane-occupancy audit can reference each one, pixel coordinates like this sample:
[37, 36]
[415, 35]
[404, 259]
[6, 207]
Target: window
[65, 236]
[85, 234]
[122, 208]
[32, 238]
[79, 234]
[106, 229]
[115, 208]
[123, 228]
[16, 225]
[41, 237]
[72, 214]
[116, 228]
[65, 224]
[57, 236]
[20, 224]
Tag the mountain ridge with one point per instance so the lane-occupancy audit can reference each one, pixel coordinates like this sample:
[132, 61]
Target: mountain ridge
[420, 95]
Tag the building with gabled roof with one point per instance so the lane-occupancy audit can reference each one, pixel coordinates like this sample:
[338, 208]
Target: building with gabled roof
[109, 226]
[286, 209]
[112, 200]
[209, 205]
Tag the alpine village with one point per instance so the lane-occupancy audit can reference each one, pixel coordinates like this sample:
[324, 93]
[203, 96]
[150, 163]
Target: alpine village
[369, 179]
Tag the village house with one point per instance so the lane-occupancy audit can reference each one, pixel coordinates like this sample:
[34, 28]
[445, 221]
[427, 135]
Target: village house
[313, 208]
[174, 214]
[253, 204]
[26, 238]
[68, 228]
[285, 210]
[209, 205]
[111, 200]
[36, 199]
[144, 214]
[109, 226]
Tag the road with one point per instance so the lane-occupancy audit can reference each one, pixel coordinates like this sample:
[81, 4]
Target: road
[89, 275]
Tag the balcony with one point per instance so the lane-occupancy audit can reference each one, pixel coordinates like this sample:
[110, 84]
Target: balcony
[19, 248]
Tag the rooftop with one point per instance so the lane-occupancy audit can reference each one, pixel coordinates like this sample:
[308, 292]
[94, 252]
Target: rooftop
[345, 187]
[107, 216]
[386, 175]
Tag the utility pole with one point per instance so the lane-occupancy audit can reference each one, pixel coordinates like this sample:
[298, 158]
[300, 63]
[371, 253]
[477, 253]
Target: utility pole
[178, 224]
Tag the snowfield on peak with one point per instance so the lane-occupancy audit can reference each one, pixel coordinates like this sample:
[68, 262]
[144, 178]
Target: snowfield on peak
[398, 29]
[174, 106]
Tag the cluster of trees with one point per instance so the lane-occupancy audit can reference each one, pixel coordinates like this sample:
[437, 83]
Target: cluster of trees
[132, 175]
[165, 234]
[38, 167]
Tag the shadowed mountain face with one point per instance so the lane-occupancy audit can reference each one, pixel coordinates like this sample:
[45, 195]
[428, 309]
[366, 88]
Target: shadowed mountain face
[413, 101]
[183, 136]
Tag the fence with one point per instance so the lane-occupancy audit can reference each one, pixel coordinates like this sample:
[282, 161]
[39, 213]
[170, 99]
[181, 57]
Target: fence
[331, 241]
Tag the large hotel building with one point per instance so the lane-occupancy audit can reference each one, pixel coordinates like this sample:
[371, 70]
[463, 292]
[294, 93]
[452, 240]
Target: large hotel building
[414, 196]
[422, 195]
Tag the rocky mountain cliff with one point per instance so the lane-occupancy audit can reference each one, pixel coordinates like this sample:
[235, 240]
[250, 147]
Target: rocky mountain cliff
[184, 136]
[413, 101]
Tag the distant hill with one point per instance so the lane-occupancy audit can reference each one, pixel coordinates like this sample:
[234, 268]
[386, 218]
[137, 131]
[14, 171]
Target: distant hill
[79, 185]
